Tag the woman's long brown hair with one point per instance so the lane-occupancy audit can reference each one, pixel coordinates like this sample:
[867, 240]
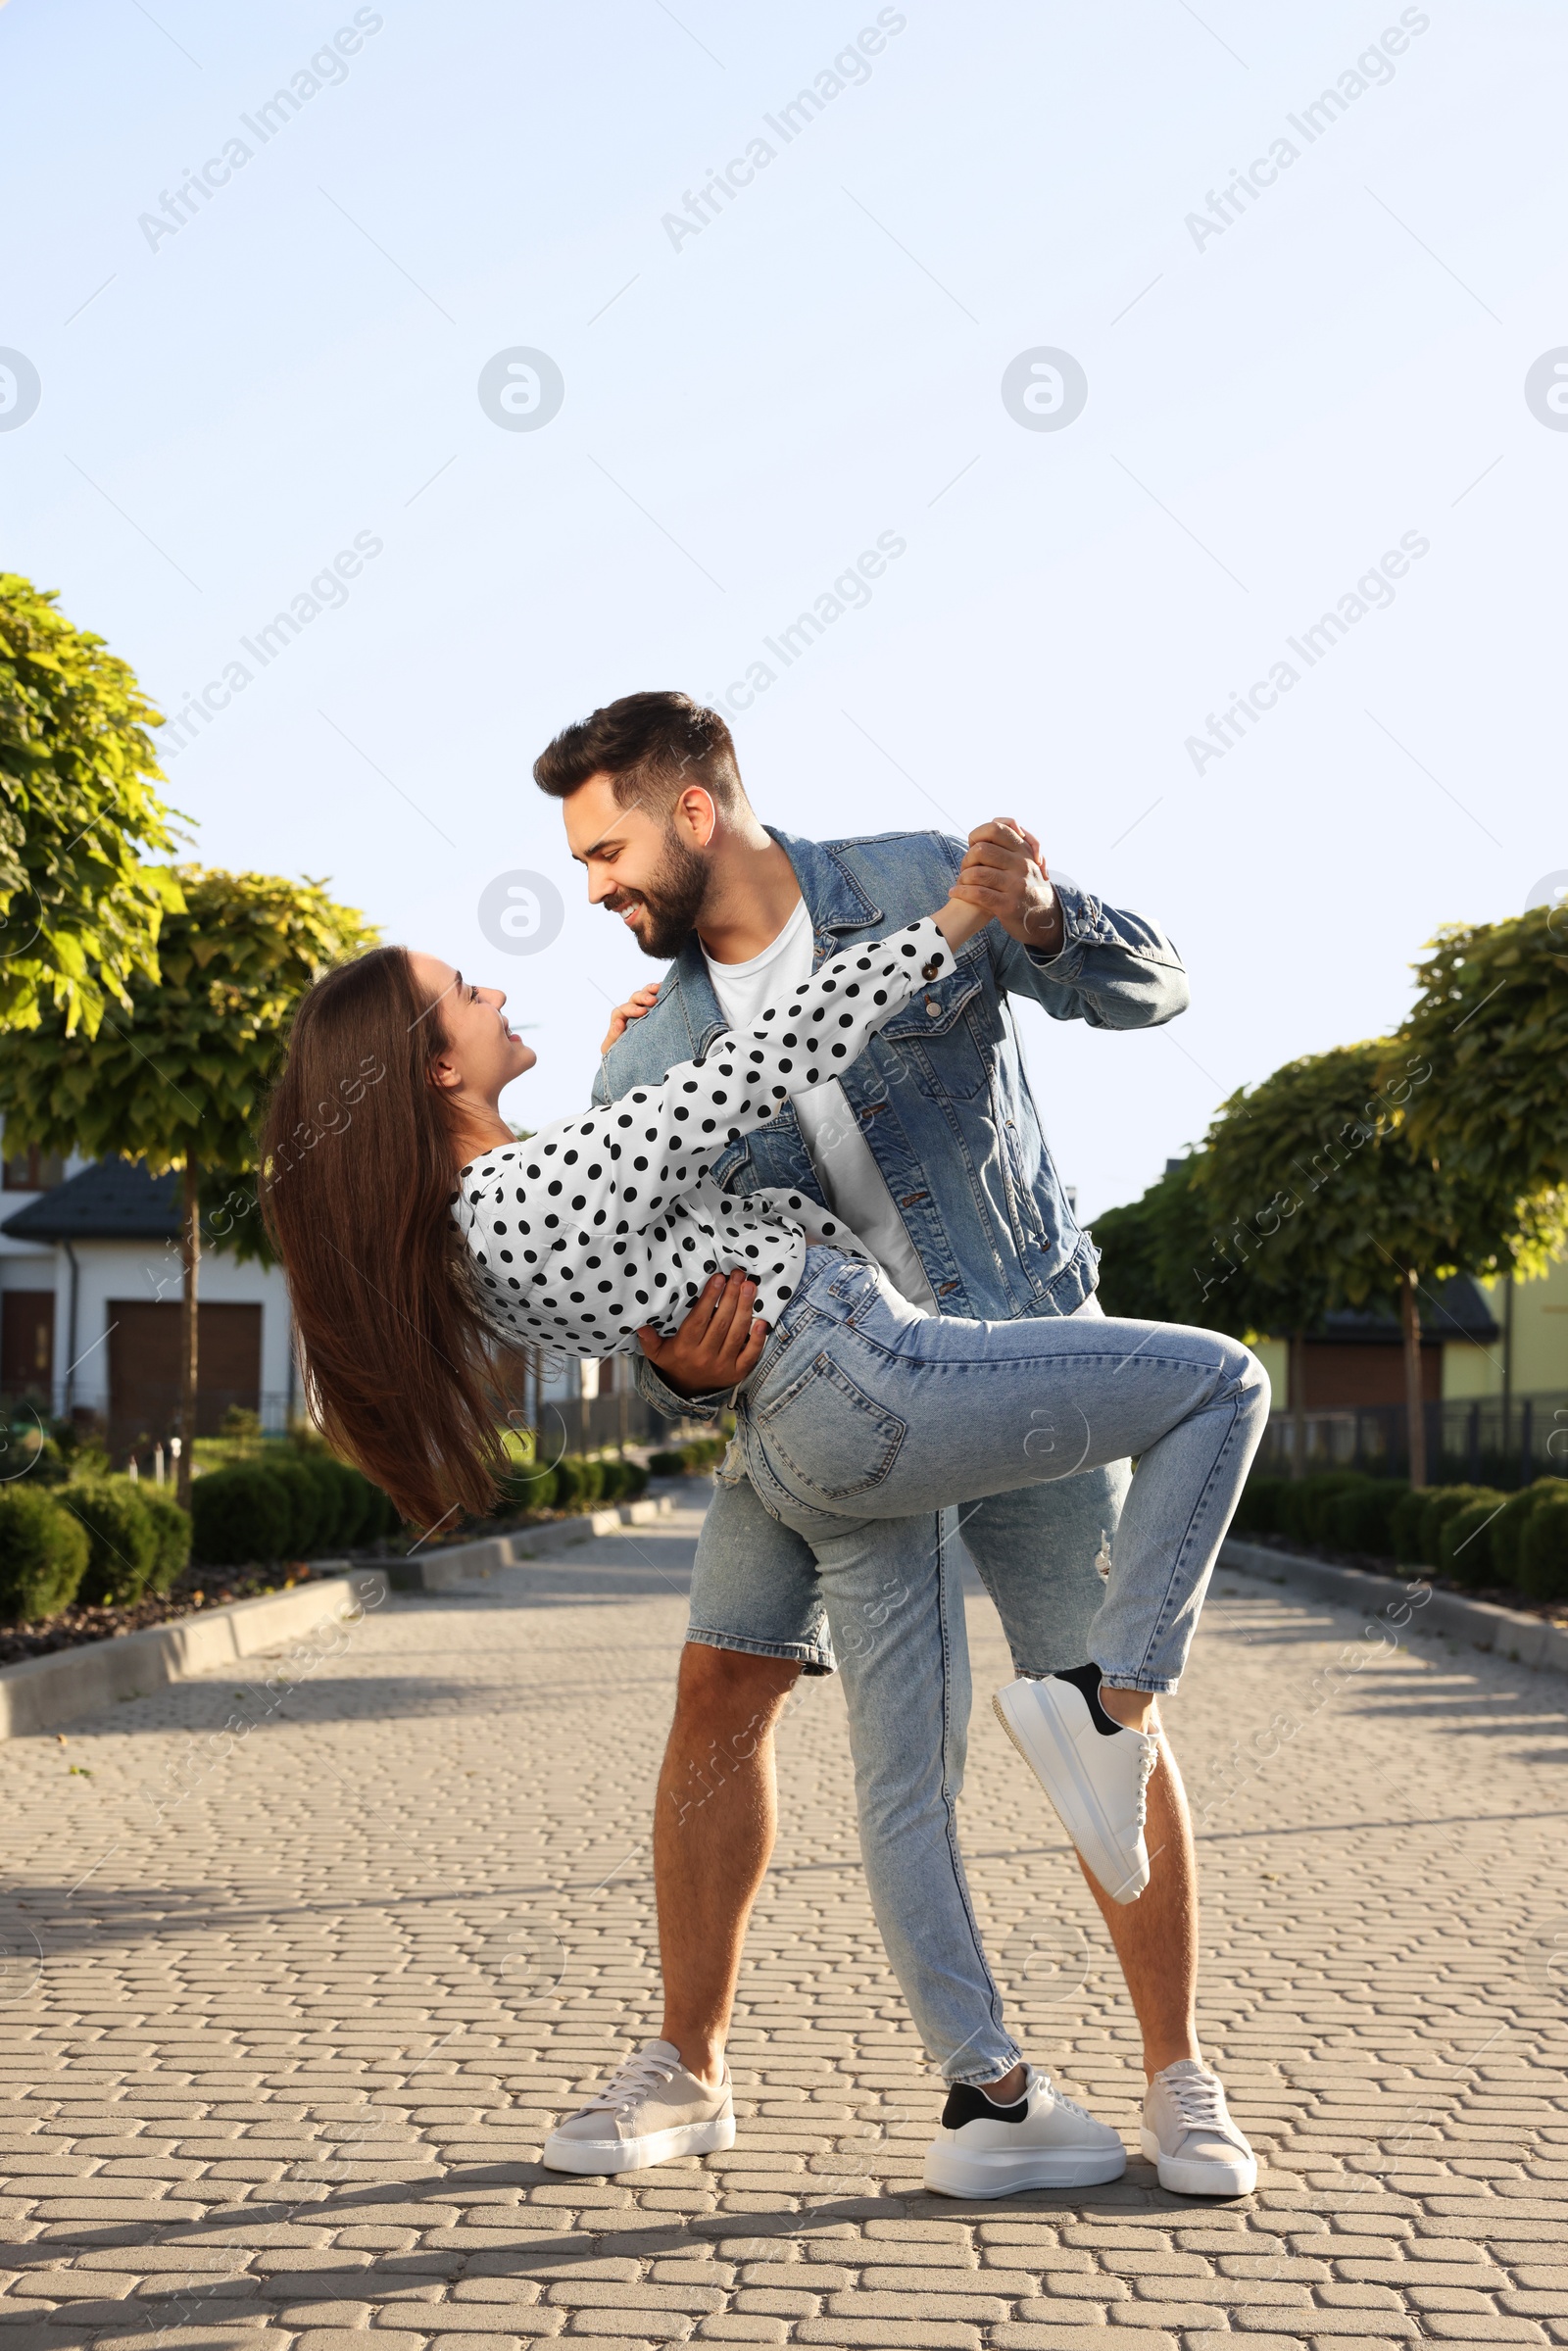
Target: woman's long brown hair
[357, 1176]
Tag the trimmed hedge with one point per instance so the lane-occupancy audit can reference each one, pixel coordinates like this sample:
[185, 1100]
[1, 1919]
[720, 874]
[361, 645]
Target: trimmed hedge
[528, 1490]
[573, 1484]
[1463, 1549]
[1302, 1506]
[312, 1504]
[239, 1515]
[296, 1506]
[624, 1481]
[686, 1460]
[1509, 1527]
[1443, 1503]
[43, 1555]
[579, 1483]
[1257, 1511]
[171, 1526]
[1474, 1533]
[1405, 1524]
[1543, 1553]
[121, 1536]
[1362, 1516]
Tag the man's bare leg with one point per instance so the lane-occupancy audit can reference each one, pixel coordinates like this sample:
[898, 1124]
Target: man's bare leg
[1157, 1937]
[715, 1822]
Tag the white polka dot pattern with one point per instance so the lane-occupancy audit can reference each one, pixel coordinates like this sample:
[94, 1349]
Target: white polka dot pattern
[600, 1224]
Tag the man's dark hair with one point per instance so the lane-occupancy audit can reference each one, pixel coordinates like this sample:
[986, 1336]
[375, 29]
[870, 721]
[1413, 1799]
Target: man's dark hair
[651, 745]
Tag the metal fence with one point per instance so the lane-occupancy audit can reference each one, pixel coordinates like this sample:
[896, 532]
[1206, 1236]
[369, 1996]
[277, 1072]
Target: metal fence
[1476, 1440]
[572, 1424]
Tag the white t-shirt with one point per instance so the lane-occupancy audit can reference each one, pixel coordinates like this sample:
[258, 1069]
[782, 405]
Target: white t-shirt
[852, 1184]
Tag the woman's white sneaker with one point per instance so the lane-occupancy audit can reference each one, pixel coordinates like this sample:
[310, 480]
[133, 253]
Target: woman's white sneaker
[650, 2111]
[1041, 2140]
[1188, 2134]
[1096, 1776]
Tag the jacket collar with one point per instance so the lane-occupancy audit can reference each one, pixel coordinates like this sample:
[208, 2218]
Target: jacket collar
[834, 900]
[835, 897]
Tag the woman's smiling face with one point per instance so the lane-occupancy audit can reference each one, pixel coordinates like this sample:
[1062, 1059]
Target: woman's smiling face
[482, 1051]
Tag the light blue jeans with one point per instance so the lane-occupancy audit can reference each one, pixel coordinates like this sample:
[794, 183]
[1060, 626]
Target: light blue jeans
[862, 1420]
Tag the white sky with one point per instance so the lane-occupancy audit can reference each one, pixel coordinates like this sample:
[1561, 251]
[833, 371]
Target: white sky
[1268, 413]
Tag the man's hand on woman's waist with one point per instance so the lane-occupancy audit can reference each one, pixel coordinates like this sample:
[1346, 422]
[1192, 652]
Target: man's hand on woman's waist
[717, 1346]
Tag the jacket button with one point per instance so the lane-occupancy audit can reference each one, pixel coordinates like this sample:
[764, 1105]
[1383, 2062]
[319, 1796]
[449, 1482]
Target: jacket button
[933, 1012]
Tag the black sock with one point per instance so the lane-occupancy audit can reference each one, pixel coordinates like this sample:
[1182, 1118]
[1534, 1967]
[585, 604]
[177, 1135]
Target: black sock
[967, 2102]
[1087, 1679]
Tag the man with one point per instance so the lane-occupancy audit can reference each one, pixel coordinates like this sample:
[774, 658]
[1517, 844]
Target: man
[930, 1149]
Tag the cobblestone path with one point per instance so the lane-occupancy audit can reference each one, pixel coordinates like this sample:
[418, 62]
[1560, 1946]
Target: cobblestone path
[288, 2007]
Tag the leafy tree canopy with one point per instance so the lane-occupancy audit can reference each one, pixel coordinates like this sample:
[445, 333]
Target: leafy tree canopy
[1166, 1260]
[79, 912]
[1310, 1176]
[1492, 1023]
[182, 1077]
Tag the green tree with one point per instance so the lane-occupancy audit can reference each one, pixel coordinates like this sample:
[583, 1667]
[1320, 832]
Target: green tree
[1185, 1252]
[1491, 1022]
[1317, 1173]
[79, 912]
[180, 1081]
[1492, 1018]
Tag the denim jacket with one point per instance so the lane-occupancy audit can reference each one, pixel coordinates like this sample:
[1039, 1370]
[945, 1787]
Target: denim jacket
[941, 1092]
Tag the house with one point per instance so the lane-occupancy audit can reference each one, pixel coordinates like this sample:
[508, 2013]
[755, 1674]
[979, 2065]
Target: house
[90, 1305]
[1479, 1340]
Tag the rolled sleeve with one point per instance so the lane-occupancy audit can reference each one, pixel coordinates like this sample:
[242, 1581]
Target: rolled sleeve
[1113, 969]
[664, 1399]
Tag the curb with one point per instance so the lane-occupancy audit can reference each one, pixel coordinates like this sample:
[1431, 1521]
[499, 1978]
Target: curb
[464, 1563]
[1504, 1632]
[43, 1692]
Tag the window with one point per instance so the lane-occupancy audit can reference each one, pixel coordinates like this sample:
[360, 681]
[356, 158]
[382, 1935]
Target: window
[34, 1171]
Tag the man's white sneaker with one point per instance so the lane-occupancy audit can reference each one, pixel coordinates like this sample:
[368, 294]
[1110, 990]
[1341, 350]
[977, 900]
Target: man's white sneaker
[1096, 1776]
[650, 2111]
[1189, 2133]
[1042, 2140]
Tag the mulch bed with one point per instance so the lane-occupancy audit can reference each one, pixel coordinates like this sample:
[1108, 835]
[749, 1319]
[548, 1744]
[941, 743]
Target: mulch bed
[1501, 1596]
[197, 1587]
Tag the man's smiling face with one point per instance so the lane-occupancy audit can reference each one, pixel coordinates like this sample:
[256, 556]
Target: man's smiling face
[638, 865]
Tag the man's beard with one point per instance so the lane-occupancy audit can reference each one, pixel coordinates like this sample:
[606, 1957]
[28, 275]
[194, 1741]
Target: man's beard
[671, 901]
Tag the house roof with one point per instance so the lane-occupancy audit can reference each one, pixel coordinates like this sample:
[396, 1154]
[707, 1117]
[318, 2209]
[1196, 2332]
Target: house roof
[1450, 1309]
[113, 1199]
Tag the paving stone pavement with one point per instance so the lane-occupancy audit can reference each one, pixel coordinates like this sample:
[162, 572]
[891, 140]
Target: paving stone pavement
[300, 1967]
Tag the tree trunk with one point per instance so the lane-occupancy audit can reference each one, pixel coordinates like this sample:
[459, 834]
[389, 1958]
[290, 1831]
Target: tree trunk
[190, 1252]
[1298, 1387]
[1414, 1400]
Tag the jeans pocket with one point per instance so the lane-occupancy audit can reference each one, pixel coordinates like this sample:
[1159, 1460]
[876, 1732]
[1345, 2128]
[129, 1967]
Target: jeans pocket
[827, 1435]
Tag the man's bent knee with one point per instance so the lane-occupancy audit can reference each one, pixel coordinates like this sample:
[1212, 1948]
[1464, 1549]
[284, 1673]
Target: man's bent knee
[726, 1705]
[729, 1690]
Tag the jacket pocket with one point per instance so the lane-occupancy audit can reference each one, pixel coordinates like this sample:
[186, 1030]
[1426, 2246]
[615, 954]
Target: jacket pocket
[835, 1439]
[937, 1031]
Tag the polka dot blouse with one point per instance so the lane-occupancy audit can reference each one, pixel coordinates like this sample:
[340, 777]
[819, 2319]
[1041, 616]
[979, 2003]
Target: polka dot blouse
[599, 1224]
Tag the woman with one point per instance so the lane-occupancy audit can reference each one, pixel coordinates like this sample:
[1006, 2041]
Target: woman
[417, 1229]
